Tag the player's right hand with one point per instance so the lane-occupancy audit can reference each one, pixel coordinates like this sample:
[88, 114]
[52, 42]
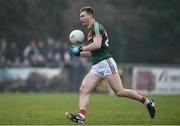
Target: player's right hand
[75, 50]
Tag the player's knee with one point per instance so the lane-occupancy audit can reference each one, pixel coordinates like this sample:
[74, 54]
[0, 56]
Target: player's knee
[121, 93]
[83, 90]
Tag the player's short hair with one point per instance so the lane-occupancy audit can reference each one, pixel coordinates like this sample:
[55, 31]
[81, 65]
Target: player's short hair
[88, 10]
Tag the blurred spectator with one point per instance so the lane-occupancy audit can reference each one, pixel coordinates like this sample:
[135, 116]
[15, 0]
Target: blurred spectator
[3, 61]
[30, 50]
[42, 52]
[53, 53]
[12, 53]
[50, 50]
[57, 58]
[3, 46]
[31, 53]
[41, 46]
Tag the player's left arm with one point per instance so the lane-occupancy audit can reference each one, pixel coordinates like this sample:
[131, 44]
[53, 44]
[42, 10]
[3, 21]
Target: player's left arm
[85, 54]
[85, 51]
[96, 44]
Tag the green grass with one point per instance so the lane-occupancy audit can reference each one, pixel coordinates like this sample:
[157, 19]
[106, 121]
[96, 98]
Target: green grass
[49, 108]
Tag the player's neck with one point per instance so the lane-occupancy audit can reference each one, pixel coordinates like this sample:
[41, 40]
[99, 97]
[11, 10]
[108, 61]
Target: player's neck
[91, 22]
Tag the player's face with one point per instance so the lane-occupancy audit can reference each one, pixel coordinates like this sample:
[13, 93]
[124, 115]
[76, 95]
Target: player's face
[84, 18]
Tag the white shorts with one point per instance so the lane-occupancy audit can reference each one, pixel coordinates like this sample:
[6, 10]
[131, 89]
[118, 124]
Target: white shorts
[105, 67]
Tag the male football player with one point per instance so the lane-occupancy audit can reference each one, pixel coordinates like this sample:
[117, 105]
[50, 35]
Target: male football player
[103, 67]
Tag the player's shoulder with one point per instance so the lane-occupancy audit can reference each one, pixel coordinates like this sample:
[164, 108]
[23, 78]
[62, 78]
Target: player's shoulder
[98, 27]
[97, 24]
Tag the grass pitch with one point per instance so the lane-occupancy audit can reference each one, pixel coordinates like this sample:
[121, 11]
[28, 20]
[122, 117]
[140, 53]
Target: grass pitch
[49, 109]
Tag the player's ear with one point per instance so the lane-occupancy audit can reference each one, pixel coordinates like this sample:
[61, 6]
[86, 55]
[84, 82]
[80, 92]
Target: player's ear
[91, 16]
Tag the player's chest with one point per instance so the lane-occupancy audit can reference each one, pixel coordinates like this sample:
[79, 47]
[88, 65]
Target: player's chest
[90, 37]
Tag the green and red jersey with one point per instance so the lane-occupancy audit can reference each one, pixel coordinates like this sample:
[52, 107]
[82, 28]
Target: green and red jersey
[103, 53]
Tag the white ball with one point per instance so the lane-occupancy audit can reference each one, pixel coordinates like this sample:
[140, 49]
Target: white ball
[76, 36]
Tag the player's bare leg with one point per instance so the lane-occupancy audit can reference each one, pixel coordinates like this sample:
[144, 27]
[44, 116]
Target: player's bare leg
[89, 82]
[116, 84]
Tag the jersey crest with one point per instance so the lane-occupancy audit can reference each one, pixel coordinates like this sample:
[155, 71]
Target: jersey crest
[89, 37]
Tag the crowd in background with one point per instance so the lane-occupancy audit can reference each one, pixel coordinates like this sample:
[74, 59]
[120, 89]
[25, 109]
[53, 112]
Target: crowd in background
[49, 53]
[42, 54]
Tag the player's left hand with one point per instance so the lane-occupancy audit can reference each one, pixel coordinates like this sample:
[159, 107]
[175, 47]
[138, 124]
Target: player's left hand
[75, 50]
